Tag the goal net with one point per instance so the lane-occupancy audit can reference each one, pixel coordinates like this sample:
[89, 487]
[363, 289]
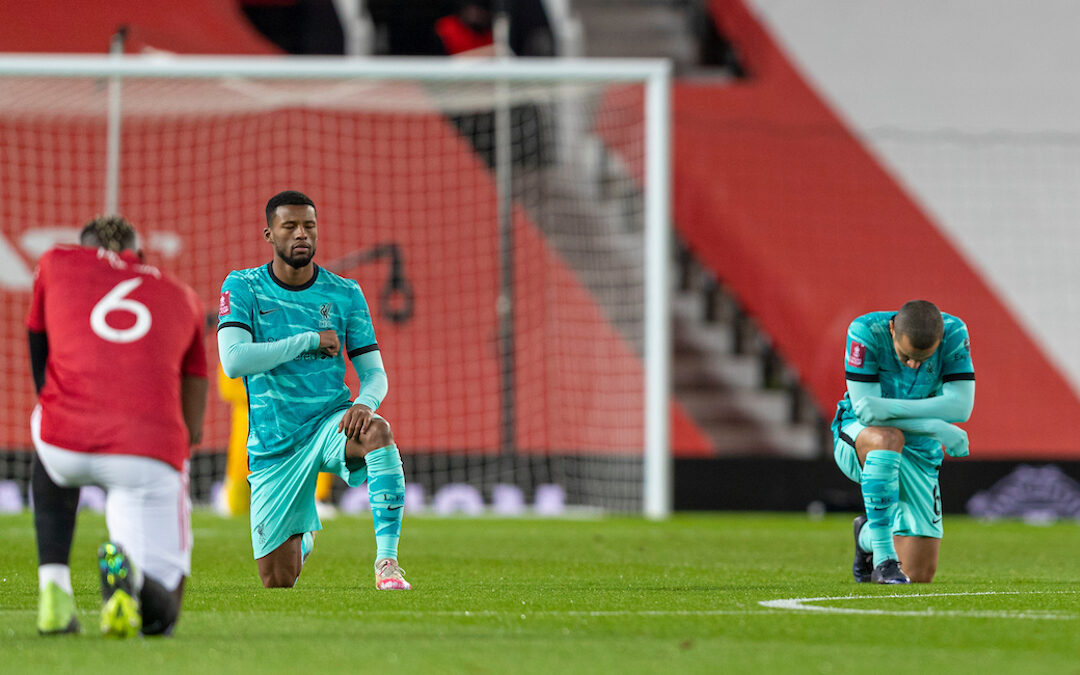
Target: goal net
[495, 216]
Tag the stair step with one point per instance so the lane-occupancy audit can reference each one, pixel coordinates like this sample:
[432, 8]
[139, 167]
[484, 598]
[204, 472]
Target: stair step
[712, 404]
[733, 439]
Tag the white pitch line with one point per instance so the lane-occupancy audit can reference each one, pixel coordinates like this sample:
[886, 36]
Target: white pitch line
[800, 604]
[489, 613]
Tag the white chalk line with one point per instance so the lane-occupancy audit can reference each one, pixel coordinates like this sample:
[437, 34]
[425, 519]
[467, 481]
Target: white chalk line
[801, 604]
[767, 607]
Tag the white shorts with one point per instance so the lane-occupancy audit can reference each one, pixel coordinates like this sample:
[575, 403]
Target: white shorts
[147, 504]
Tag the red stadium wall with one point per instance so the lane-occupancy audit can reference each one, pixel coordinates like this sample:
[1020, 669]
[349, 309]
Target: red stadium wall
[795, 215]
[206, 178]
[74, 26]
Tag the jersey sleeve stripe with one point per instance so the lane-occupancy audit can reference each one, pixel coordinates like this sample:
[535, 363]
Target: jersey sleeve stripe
[862, 377]
[353, 353]
[952, 377]
[237, 324]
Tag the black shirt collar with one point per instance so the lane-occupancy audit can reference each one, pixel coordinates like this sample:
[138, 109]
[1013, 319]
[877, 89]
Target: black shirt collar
[288, 287]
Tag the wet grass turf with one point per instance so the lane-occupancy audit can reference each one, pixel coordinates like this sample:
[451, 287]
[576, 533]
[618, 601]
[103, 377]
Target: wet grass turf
[608, 595]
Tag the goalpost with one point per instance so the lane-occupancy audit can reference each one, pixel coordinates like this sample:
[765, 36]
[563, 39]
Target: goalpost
[508, 219]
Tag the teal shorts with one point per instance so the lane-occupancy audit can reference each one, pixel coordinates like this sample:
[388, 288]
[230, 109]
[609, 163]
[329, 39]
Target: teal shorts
[918, 512]
[283, 493]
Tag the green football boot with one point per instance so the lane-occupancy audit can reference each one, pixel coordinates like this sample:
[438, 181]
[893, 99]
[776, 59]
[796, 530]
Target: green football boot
[56, 611]
[120, 616]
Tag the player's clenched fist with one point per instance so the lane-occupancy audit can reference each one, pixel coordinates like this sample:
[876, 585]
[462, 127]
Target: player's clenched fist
[356, 420]
[329, 343]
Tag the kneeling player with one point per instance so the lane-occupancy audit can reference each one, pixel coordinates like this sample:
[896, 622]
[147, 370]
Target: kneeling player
[278, 327]
[116, 349]
[909, 378]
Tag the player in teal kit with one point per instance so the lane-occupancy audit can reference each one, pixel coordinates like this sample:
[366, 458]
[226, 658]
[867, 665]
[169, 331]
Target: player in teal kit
[282, 326]
[909, 380]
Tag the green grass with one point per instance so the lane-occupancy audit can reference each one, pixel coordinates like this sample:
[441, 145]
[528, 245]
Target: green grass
[611, 595]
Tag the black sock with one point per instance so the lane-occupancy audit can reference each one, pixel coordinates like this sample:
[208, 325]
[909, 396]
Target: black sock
[55, 508]
[160, 608]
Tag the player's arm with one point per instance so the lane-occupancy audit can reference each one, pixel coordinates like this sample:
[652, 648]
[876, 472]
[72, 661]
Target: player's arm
[951, 436]
[240, 355]
[373, 388]
[39, 356]
[363, 351]
[193, 390]
[953, 404]
[373, 381]
[238, 352]
[35, 323]
[194, 383]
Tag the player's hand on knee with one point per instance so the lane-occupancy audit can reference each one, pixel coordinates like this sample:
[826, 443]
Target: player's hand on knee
[356, 420]
[329, 343]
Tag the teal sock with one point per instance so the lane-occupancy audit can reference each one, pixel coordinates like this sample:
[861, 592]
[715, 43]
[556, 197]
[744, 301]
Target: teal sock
[881, 489]
[307, 542]
[386, 491]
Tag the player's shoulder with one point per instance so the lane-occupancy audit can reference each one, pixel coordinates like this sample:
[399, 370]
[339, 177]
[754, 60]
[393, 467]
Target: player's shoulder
[871, 324]
[333, 278]
[67, 251]
[249, 278]
[953, 324]
[247, 274]
[956, 332]
[337, 282]
[182, 291]
[66, 254]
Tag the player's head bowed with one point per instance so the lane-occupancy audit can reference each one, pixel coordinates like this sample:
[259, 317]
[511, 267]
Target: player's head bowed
[921, 322]
[114, 233]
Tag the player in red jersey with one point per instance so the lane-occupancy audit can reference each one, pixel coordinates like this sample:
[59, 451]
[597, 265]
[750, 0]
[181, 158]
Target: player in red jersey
[116, 349]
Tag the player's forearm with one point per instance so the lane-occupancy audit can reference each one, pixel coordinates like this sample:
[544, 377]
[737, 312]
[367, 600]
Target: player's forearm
[952, 438]
[954, 404]
[373, 381]
[241, 356]
[193, 404]
[920, 426]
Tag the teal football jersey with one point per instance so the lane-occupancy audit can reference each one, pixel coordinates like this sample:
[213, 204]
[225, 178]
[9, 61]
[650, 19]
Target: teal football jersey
[871, 357]
[287, 403]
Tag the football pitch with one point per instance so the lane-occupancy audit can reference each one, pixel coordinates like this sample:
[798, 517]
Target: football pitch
[716, 593]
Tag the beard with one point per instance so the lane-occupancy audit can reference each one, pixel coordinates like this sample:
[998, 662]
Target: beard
[297, 260]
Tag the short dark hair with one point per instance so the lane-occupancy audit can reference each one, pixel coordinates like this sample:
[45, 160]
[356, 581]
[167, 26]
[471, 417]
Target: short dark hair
[286, 198]
[921, 322]
[112, 232]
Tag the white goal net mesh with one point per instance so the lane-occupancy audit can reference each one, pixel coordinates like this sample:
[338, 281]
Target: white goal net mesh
[511, 329]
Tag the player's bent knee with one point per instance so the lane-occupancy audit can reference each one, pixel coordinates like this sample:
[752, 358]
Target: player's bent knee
[883, 438]
[278, 579]
[160, 607]
[378, 434]
[922, 574]
[279, 573]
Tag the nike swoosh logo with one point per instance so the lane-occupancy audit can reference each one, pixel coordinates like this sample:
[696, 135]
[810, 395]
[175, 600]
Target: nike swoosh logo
[935, 521]
[392, 508]
[267, 311]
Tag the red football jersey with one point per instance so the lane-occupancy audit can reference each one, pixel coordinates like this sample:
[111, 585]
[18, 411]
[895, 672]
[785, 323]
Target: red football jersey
[121, 335]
